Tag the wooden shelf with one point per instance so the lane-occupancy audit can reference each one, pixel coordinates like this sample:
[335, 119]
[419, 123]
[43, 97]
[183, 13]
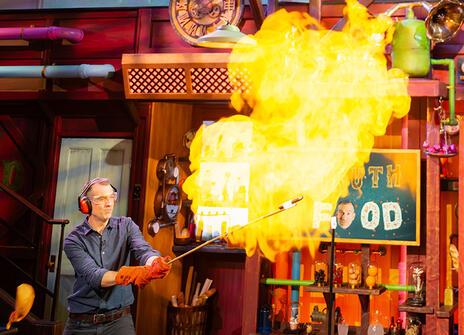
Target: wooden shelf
[445, 312]
[419, 310]
[427, 88]
[352, 330]
[212, 248]
[346, 290]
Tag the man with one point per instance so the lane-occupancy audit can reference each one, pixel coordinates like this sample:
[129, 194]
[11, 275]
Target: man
[345, 214]
[100, 250]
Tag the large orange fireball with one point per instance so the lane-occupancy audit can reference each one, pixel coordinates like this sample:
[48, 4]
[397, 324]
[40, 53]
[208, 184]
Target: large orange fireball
[318, 98]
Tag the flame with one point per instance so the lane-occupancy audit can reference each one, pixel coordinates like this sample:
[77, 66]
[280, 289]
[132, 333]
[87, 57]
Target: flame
[318, 97]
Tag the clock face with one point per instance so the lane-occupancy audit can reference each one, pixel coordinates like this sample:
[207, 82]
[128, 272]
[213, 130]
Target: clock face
[192, 19]
[173, 202]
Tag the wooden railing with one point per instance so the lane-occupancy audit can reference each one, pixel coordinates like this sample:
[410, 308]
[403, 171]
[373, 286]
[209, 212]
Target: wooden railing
[47, 220]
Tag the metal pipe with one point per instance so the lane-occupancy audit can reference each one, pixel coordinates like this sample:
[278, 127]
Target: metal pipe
[72, 35]
[409, 5]
[286, 282]
[82, 71]
[398, 287]
[295, 293]
[292, 282]
[451, 86]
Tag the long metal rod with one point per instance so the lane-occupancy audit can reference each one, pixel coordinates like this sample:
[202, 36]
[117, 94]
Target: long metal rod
[283, 207]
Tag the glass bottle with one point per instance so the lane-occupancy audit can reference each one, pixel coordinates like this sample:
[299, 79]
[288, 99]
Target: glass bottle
[417, 279]
[264, 320]
[399, 327]
[392, 327]
[338, 275]
[375, 327]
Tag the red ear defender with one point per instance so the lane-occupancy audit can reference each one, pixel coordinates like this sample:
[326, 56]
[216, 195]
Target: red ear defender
[85, 206]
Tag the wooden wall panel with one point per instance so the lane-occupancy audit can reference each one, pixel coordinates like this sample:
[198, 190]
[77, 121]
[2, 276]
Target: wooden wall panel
[169, 122]
[432, 220]
[164, 39]
[227, 273]
[27, 51]
[103, 38]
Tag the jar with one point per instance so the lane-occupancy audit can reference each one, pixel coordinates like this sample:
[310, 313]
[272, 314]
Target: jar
[354, 275]
[294, 316]
[414, 326]
[416, 277]
[320, 273]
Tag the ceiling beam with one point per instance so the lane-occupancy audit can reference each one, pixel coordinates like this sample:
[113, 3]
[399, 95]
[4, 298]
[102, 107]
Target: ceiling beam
[272, 6]
[315, 9]
[258, 12]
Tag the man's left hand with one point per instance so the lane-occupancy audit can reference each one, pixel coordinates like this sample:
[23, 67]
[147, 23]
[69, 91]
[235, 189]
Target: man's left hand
[160, 268]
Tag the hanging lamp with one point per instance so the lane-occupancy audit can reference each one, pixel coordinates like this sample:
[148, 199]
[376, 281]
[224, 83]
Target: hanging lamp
[225, 36]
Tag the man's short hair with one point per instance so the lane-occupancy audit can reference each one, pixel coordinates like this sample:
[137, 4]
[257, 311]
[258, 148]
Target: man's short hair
[88, 185]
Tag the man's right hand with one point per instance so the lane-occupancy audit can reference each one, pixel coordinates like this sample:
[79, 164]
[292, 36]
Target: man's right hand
[142, 275]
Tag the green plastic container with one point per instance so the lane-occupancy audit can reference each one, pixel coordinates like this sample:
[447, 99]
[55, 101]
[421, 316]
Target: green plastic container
[411, 47]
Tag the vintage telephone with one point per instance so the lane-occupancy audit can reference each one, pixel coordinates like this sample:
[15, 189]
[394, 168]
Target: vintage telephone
[168, 198]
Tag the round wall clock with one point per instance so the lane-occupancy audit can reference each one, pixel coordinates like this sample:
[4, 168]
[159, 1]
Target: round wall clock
[192, 19]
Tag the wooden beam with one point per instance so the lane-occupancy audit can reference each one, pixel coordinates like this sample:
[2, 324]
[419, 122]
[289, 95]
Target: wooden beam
[258, 12]
[432, 179]
[132, 111]
[341, 23]
[250, 293]
[315, 9]
[272, 6]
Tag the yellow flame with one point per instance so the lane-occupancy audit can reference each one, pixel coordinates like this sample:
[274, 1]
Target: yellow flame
[318, 98]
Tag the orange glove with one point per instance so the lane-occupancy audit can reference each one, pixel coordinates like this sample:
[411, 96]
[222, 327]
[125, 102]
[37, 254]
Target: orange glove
[138, 275]
[142, 275]
[160, 267]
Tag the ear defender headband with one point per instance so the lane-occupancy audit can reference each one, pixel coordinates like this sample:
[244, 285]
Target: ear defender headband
[84, 203]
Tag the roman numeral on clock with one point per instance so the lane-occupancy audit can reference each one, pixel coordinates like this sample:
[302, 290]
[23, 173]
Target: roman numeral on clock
[229, 6]
[184, 19]
[181, 6]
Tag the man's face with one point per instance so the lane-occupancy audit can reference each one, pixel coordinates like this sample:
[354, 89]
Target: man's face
[103, 198]
[345, 215]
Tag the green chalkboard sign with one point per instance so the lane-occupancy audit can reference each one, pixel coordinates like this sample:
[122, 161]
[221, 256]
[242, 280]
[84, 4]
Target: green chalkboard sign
[383, 202]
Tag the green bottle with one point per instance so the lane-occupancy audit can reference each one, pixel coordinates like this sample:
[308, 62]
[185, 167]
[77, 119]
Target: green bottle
[411, 47]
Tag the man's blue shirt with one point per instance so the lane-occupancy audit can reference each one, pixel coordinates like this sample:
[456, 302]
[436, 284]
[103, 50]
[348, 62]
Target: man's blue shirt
[92, 254]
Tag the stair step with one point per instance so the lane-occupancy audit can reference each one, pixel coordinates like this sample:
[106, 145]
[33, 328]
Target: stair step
[18, 251]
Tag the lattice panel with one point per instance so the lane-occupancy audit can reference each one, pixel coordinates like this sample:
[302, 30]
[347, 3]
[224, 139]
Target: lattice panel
[210, 80]
[157, 80]
[240, 80]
